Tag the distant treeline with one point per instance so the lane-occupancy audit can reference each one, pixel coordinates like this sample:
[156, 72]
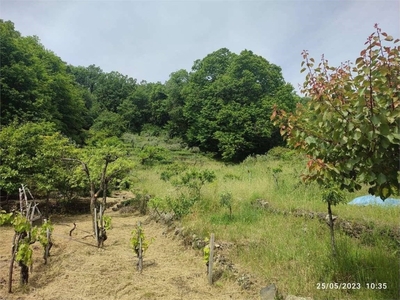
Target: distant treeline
[223, 105]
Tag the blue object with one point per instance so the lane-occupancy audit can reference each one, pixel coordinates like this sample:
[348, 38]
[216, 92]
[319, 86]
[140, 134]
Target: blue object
[373, 200]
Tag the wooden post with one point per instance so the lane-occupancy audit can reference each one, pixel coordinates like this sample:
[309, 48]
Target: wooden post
[210, 260]
[21, 206]
[96, 230]
[140, 265]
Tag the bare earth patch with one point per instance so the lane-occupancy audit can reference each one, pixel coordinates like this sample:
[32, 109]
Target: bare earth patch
[79, 270]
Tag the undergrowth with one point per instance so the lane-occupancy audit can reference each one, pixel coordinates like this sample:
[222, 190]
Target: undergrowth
[292, 252]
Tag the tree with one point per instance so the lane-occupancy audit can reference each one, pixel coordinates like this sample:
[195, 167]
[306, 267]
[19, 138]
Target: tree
[177, 124]
[87, 77]
[35, 85]
[31, 154]
[158, 104]
[112, 88]
[227, 101]
[108, 124]
[349, 127]
[135, 109]
[103, 161]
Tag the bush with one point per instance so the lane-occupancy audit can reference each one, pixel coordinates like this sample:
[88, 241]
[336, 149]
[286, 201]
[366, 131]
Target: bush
[150, 130]
[151, 154]
[281, 153]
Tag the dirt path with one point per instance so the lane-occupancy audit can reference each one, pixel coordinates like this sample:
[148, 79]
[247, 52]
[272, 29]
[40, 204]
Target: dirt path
[78, 270]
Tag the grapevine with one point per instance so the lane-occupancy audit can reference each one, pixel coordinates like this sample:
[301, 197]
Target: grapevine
[107, 222]
[25, 235]
[139, 244]
[137, 234]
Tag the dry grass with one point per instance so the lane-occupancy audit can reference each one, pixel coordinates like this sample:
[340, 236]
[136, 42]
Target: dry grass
[79, 270]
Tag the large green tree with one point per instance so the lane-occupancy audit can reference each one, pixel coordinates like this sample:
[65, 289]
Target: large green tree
[32, 154]
[112, 89]
[103, 162]
[228, 100]
[135, 110]
[35, 85]
[177, 124]
[349, 127]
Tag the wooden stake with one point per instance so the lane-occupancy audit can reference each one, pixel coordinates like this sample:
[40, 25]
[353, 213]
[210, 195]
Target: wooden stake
[140, 266]
[210, 260]
[96, 230]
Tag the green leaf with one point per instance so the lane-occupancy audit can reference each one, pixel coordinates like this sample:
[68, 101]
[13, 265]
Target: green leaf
[394, 138]
[359, 60]
[310, 140]
[381, 178]
[375, 120]
[385, 191]
[384, 129]
[357, 135]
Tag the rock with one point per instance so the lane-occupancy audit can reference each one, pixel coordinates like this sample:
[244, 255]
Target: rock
[268, 293]
[333, 219]
[198, 244]
[291, 297]
[217, 274]
[183, 232]
[167, 217]
[245, 282]
[261, 204]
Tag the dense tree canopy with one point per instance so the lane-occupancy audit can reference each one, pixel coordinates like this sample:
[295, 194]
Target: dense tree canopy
[35, 85]
[228, 100]
[177, 124]
[31, 154]
[112, 89]
[222, 105]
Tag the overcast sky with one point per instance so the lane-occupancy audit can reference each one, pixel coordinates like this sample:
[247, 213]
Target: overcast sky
[148, 40]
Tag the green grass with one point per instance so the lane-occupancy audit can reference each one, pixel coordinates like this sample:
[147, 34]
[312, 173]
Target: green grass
[293, 252]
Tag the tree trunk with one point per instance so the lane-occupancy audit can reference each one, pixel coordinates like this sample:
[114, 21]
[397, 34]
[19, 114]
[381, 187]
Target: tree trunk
[105, 187]
[333, 244]
[24, 273]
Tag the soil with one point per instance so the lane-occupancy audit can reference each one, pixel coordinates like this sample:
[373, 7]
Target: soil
[77, 269]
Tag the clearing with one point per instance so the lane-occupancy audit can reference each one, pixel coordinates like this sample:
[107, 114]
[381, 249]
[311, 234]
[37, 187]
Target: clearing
[77, 269]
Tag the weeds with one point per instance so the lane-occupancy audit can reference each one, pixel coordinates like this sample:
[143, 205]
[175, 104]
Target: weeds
[293, 251]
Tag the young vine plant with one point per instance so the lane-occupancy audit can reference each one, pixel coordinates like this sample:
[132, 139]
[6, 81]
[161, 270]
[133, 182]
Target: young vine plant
[29, 235]
[138, 233]
[107, 222]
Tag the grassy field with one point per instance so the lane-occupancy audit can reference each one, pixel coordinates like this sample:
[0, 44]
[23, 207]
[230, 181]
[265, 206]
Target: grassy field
[291, 251]
[281, 242]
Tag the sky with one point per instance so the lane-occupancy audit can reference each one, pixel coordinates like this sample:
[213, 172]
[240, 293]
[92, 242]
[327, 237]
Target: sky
[148, 40]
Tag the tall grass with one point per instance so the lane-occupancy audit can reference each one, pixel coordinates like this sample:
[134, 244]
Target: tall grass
[293, 252]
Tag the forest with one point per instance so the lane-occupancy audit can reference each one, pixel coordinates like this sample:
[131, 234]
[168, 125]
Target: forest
[222, 106]
[76, 132]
